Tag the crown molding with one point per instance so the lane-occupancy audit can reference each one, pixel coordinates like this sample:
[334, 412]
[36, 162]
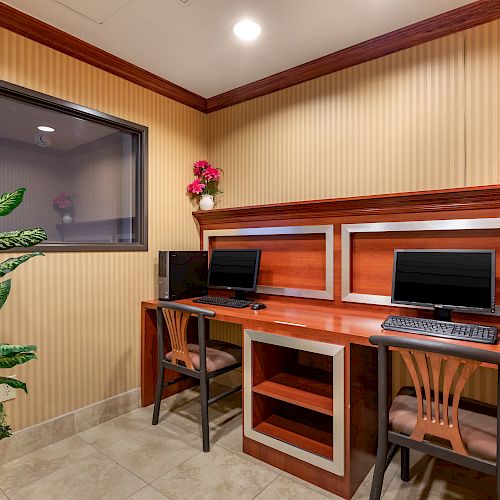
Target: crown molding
[468, 16]
[462, 18]
[23, 24]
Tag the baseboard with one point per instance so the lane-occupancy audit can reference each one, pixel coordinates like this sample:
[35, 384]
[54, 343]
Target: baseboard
[33, 438]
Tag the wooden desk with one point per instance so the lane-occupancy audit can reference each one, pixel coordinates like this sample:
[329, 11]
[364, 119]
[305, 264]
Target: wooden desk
[321, 323]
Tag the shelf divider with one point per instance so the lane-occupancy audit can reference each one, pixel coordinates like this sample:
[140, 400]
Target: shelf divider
[299, 391]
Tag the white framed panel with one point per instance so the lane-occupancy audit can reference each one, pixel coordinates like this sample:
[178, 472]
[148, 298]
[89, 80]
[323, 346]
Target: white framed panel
[336, 466]
[327, 230]
[406, 226]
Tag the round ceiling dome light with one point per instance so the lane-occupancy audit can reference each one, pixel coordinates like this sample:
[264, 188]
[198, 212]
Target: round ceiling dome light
[247, 30]
[46, 128]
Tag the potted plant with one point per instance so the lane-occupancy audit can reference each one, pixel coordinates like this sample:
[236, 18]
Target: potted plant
[206, 184]
[12, 355]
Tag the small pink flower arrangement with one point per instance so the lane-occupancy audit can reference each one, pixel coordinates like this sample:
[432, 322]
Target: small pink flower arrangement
[206, 180]
[63, 203]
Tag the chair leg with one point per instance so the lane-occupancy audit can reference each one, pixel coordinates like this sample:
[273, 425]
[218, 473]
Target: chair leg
[204, 414]
[405, 464]
[159, 390]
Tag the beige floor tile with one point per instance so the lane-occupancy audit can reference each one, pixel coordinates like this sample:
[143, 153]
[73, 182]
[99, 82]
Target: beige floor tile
[152, 452]
[220, 414]
[363, 492]
[148, 493]
[215, 475]
[435, 478]
[93, 477]
[230, 379]
[40, 463]
[36, 437]
[283, 488]
[121, 427]
[229, 434]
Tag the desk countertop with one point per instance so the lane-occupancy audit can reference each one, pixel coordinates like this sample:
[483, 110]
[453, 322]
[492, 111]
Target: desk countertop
[322, 322]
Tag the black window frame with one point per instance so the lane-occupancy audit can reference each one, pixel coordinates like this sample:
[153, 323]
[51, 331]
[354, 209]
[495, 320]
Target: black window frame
[69, 108]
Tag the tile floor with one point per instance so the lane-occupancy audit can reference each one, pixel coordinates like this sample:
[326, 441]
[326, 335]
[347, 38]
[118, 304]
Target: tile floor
[128, 458]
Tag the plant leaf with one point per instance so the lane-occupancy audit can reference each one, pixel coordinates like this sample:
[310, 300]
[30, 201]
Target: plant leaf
[4, 291]
[12, 349]
[24, 238]
[17, 359]
[16, 384]
[10, 264]
[9, 201]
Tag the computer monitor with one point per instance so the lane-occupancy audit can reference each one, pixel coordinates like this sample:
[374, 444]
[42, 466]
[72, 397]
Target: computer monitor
[445, 279]
[236, 270]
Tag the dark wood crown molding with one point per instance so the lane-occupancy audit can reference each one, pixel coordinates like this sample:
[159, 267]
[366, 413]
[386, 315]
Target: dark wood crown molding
[460, 19]
[34, 29]
[468, 16]
[469, 198]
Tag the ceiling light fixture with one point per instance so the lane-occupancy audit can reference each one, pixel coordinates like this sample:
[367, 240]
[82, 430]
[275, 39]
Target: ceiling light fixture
[247, 30]
[46, 128]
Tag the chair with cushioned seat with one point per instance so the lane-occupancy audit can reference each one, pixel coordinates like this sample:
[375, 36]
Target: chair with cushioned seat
[203, 361]
[432, 414]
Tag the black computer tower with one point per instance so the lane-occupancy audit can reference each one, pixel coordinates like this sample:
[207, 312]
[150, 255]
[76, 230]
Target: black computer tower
[182, 274]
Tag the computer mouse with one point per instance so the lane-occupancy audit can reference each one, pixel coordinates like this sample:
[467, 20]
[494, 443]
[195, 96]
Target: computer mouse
[257, 305]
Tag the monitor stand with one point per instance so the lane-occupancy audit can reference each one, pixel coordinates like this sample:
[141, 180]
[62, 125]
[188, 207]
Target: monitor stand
[442, 314]
[239, 295]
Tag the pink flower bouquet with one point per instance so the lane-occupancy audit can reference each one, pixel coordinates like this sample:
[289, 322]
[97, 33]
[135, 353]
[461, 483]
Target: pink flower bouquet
[206, 179]
[63, 203]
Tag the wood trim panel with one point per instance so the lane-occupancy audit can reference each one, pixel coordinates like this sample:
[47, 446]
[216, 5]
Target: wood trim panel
[459, 19]
[34, 29]
[469, 198]
[462, 18]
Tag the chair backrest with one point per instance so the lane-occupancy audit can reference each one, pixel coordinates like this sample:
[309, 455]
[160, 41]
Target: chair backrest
[439, 372]
[176, 317]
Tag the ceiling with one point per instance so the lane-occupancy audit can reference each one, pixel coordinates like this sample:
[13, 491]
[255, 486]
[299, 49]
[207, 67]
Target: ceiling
[20, 120]
[190, 42]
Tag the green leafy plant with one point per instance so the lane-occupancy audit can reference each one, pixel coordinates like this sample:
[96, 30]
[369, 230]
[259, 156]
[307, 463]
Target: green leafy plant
[12, 355]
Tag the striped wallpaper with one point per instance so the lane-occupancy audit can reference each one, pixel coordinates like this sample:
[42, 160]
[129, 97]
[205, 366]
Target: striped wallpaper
[82, 309]
[423, 118]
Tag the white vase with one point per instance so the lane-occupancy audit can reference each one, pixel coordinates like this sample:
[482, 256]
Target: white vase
[67, 218]
[206, 202]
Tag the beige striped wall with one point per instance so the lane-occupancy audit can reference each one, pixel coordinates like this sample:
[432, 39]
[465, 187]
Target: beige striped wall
[82, 309]
[423, 118]
[420, 119]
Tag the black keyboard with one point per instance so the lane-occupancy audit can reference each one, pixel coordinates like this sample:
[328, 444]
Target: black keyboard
[222, 301]
[444, 329]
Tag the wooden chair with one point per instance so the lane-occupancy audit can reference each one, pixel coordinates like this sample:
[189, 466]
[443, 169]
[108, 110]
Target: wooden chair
[202, 361]
[434, 414]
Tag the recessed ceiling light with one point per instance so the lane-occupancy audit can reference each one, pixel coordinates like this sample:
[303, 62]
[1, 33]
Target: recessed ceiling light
[247, 30]
[46, 128]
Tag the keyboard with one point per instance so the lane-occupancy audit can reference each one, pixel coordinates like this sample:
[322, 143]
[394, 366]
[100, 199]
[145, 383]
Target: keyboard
[222, 301]
[444, 329]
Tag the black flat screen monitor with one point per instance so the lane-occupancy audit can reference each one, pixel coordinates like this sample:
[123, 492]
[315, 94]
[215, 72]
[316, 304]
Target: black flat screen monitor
[448, 279]
[234, 270]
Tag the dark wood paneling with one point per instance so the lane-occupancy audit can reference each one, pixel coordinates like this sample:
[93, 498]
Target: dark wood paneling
[450, 22]
[34, 29]
[456, 199]
[367, 248]
[284, 257]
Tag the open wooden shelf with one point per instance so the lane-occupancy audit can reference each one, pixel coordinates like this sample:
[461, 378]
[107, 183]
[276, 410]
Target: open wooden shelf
[298, 434]
[298, 390]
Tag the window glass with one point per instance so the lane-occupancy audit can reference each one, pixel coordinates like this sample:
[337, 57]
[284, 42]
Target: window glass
[83, 177]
